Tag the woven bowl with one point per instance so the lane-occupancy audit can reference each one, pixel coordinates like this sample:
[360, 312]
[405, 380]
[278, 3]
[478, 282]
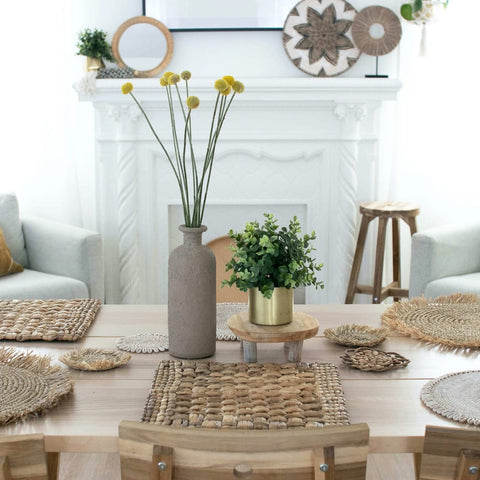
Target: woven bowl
[369, 359]
[355, 335]
[94, 359]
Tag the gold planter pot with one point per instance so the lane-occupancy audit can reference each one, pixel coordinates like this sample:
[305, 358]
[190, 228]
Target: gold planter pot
[93, 64]
[277, 310]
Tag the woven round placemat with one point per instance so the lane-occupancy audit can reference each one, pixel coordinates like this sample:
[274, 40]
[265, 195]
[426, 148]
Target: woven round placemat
[355, 335]
[66, 320]
[245, 395]
[454, 396]
[94, 359]
[29, 384]
[372, 360]
[158, 342]
[452, 320]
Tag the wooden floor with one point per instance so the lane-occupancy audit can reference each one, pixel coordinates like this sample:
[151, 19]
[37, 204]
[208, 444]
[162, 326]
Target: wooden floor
[77, 466]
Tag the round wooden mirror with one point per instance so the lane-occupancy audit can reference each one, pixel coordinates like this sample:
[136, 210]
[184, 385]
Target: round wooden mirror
[143, 44]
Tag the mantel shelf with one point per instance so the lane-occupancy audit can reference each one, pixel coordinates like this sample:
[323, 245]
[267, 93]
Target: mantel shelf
[284, 90]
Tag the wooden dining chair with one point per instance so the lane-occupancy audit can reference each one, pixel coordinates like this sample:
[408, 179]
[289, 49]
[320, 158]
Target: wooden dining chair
[221, 248]
[159, 452]
[450, 454]
[23, 457]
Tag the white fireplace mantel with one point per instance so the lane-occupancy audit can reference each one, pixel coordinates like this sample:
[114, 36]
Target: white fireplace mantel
[303, 146]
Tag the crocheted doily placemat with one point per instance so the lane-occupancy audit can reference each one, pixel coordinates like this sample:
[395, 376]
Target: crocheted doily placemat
[29, 384]
[453, 320]
[454, 396]
[66, 320]
[158, 342]
[246, 395]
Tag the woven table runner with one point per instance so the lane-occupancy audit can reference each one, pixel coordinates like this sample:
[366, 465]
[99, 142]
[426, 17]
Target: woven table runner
[453, 320]
[249, 396]
[455, 396]
[66, 320]
[158, 342]
[29, 385]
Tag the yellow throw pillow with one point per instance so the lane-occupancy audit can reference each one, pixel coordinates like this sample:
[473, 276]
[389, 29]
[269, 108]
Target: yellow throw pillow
[7, 263]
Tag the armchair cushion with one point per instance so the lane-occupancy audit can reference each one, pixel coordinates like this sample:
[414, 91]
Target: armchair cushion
[469, 283]
[12, 228]
[44, 286]
[7, 264]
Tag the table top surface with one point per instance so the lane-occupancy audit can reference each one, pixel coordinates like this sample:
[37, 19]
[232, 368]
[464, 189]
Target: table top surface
[87, 420]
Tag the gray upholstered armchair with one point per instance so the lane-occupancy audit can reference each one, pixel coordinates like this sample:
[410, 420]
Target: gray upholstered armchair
[59, 260]
[445, 260]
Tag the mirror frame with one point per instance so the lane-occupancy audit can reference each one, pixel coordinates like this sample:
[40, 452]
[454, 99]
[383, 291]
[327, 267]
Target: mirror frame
[152, 21]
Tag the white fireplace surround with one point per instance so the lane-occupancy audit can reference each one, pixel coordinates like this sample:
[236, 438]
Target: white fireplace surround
[305, 146]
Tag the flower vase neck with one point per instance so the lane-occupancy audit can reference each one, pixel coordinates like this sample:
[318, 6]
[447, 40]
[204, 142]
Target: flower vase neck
[192, 235]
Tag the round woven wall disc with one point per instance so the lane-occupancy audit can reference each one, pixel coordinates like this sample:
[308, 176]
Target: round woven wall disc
[318, 39]
[374, 19]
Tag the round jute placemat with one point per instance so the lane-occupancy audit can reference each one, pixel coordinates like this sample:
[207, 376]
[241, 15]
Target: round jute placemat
[356, 335]
[94, 359]
[158, 342]
[452, 320]
[454, 396]
[29, 384]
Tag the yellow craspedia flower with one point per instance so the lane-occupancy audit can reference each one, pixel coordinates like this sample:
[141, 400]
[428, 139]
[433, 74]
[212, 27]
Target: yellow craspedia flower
[229, 79]
[163, 82]
[221, 85]
[127, 88]
[227, 91]
[238, 87]
[167, 75]
[173, 79]
[186, 75]
[193, 102]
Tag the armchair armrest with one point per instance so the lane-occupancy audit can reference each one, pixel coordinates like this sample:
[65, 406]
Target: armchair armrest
[66, 250]
[443, 252]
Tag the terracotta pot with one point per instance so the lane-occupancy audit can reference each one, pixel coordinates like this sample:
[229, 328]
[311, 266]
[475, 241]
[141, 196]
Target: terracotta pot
[191, 297]
[277, 310]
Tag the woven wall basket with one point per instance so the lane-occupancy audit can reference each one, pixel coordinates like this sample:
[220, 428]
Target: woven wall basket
[453, 320]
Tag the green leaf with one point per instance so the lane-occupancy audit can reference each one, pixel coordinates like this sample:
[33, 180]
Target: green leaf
[417, 5]
[406, 11]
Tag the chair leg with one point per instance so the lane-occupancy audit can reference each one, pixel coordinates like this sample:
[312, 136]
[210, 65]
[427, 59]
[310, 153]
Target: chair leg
[396, 254]
[377, 279]
[357, 259]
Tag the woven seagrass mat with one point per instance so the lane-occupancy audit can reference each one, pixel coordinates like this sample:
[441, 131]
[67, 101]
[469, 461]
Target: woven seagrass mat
[246, 395]
[158, 342]
[94, 359]
[455, 396]
[29, 384]
[453, 320]
[66, 320]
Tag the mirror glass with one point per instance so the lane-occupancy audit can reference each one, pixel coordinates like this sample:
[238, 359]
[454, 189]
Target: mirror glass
[143, 44]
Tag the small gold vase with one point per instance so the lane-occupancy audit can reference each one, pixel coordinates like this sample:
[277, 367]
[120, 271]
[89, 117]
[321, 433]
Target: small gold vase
[277, 310]
[94, 64]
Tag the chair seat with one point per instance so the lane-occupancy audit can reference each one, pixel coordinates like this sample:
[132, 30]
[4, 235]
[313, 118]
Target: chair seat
[468, 283]
[31, 284]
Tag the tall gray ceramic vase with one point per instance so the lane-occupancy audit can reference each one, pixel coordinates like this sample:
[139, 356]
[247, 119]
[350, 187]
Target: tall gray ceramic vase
[192, 297]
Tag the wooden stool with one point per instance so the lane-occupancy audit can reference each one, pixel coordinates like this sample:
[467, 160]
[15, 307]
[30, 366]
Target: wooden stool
[383, 210]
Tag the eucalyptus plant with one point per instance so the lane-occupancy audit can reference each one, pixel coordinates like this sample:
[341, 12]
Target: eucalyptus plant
[409, 9]
[93, 44]
[268, 256]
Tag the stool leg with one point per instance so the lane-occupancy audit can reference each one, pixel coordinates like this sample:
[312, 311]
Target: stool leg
[357, 259]
[412, 222]
[396, 254]
[249, 351]
[377, 279]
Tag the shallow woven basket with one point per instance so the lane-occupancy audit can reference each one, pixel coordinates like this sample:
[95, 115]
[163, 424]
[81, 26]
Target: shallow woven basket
[355, 335]
[369, 359]
[453, 320]
[94, 359]
[29, 384]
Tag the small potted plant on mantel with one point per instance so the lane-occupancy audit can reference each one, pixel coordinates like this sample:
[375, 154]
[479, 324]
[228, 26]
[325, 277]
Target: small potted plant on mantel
[270, 262]
[93, 45]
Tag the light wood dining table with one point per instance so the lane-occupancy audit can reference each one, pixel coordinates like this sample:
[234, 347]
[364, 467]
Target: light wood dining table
[87, 420]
